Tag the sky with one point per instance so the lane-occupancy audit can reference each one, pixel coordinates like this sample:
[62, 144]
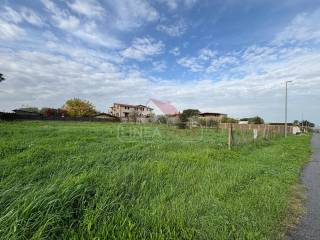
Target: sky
[226, 56]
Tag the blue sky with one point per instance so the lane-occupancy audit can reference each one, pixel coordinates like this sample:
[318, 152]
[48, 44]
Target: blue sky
[223, 56]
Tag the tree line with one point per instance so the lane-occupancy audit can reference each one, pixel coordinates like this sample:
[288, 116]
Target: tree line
[74, 107]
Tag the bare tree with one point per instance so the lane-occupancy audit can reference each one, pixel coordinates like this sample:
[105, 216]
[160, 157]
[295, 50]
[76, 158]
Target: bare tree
[133, 116]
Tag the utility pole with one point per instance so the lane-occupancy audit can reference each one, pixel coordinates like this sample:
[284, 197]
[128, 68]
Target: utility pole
[286, 111]
[302, 122]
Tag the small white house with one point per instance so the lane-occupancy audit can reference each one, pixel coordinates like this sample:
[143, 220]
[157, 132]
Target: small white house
[296, 130]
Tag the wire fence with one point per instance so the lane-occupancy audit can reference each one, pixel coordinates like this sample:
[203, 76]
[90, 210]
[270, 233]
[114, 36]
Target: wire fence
[239, 134]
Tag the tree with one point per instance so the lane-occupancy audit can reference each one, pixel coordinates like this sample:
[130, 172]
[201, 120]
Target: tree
[306, 123]
[253, 120]
[133, 116]
[296, 122]
[256, 120]
[229, 120]
[188, 113]
[30, 109]
[162, 119]
[79, 108]
[152, 118]
[2, 78]
[52, 112]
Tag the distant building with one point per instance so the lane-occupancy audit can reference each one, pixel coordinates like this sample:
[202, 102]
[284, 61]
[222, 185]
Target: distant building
[126, 111]
[243, 122]
[212, 116]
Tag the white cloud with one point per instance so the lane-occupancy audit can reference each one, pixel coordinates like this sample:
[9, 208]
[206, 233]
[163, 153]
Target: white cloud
[90, 33]
[143, 48]
[66, 22]
[62, 18]
[256, 53]
[129, 14]
[22, 14]
[206, 54]
[174, 30]
[89, 8]
[220, 62]
[207, 61]
[175, 51]
[10, 31]
[31, 17]
[191, 63]
[173, 4]
[82, 54]
[159, 66]
[303, 28]
[86, 31]
[10, 15]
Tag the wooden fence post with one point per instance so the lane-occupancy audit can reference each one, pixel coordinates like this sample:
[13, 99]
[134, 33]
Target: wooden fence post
[264, 132]
[230, 136]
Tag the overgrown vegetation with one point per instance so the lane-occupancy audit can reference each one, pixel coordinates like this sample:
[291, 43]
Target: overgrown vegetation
[304, 123]
[253, 120]
[85, 180]
[229, 120]
[188, 113]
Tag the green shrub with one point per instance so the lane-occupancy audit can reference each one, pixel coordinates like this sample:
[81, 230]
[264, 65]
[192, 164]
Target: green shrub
[181, 125]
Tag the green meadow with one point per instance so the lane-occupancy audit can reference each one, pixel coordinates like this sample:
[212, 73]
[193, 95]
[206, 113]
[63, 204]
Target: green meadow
[71, 180]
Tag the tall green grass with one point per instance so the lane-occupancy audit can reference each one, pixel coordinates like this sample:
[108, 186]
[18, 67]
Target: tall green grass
[100, 180]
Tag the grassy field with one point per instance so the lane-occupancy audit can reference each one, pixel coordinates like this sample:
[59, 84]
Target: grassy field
[104, 180]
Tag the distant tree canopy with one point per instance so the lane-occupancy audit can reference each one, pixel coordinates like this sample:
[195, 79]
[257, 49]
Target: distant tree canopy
[162, 119]
[304, 123]
[253, 120]
[307, 123]
[79, 108]
[29, 109]
[2, 78]
[52, 112]
[229, 120]
[186, 114]
[296, 122]
[133, 116]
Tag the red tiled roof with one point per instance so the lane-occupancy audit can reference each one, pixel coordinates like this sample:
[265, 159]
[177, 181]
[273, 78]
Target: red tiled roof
[165, 107]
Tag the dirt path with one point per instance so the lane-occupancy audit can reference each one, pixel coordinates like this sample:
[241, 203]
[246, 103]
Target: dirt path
[309, 226]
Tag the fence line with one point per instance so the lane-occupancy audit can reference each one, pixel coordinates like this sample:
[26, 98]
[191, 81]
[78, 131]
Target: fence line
[14, 116]
[245, 133]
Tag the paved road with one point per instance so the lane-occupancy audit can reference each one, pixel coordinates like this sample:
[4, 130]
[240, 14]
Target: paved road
[309, 226]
